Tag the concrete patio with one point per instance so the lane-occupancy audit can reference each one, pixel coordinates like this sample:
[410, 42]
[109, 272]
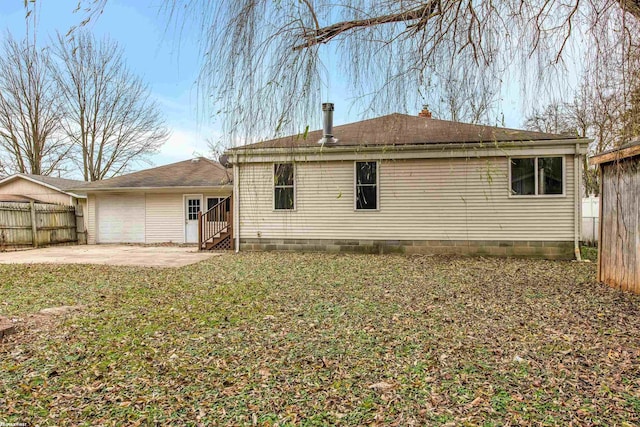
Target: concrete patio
[129, 255]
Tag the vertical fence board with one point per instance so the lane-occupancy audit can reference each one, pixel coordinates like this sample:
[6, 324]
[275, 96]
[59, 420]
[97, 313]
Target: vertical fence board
[620, 239]
[54, 224]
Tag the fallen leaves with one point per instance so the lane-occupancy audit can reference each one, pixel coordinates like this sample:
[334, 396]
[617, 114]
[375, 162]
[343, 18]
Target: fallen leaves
[320, 339]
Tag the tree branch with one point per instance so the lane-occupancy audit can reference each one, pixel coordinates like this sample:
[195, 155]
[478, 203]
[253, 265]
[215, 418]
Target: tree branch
[325, 34]
[631, 6]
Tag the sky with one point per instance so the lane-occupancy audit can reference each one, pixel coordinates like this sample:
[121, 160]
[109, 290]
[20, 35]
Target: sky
[169, 63]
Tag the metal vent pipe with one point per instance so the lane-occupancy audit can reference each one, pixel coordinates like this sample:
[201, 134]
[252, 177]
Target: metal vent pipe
[327, 124]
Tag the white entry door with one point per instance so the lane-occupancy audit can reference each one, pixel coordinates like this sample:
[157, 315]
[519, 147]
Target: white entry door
[192, 205]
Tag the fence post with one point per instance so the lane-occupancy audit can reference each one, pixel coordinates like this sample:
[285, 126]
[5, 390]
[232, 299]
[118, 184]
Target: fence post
[34, 225]
[81, 231]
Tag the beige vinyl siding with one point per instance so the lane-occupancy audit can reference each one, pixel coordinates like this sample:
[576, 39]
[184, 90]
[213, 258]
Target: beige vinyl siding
[164, 218]
[164, 215]
[428, 199]
[23, 187]
[91, 219]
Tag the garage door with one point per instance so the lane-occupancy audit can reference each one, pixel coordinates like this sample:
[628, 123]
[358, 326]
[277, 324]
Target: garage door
[120, 218]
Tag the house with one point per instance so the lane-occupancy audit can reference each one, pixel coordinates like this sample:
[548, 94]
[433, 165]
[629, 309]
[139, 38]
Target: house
[22, 187]
[157, 205]
[39, 188]
[619, 228]
[411, 184]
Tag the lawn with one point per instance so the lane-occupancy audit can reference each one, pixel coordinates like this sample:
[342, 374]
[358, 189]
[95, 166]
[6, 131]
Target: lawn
[319, 339]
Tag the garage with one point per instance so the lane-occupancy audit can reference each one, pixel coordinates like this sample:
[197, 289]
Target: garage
[154, 206]
[121, 218]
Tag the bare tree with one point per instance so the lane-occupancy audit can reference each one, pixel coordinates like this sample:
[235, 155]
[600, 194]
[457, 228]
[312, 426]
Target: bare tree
[4, 171]
[596, 111]
[462, 96]
[554, 118]
[574, 118]
[29, 111]
[262, 60]
[108, 113]
[630, 117]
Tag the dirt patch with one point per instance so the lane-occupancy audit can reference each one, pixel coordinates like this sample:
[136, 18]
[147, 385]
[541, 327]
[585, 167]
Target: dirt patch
[45, 319]
[7, 327]
[59, 311]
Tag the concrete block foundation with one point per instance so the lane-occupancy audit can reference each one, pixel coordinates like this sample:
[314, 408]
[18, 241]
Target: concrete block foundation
[496, 248]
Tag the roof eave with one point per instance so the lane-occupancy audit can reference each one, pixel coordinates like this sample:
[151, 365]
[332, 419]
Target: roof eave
[404, 147]
[616, 154]
[163, 188]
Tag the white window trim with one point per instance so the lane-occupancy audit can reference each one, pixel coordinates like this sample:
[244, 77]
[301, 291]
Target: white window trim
[355, 186]
[273, 187]
[535, 170]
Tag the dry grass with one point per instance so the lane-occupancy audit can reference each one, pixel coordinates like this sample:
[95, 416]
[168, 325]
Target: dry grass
[316, 339]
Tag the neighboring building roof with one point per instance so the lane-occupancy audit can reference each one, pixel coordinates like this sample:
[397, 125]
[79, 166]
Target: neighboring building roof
[630, 149]
[62, 185]
[198, 172]
[402, 129]
[17, 198]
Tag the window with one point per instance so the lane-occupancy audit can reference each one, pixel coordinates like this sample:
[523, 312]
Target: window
[283, 186]
[212, 201]
[523, 181]
[366, 185]
[193, 207]
[537, 176]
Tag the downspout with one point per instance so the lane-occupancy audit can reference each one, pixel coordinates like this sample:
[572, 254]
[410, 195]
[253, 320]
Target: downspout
[236, 201]
[578, 204]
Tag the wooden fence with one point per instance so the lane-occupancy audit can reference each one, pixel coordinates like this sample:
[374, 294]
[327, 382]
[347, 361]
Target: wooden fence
[619, 249]
[37, 224]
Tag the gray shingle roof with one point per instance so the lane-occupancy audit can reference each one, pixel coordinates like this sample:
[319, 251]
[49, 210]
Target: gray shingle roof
[402, 129]
[199, 172]
[60, 183]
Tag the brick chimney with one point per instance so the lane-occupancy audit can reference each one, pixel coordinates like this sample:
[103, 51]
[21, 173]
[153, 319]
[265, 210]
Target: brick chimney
[425, 112]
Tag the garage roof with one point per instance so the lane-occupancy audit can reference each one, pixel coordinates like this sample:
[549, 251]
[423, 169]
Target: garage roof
[198, 172]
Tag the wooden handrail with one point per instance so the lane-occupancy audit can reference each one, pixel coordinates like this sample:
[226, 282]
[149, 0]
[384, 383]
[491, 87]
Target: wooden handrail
[214, 222]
